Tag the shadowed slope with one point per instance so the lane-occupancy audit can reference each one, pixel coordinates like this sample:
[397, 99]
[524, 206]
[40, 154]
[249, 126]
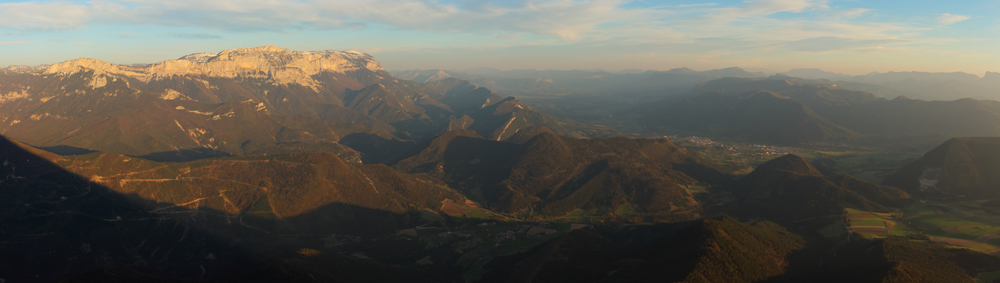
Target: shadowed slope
[899, 260]
[706, 250]
[51, 217]
[176, 220]
[790, 189]
[552, 176]
[960, 166]
[717, 250]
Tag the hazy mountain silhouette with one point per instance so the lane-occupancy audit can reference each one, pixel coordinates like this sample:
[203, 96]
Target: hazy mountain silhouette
[760, 116]
[803, 111]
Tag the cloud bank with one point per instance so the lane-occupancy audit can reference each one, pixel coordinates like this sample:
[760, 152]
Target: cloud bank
[949, 19]
[564, 19]
[627, 27]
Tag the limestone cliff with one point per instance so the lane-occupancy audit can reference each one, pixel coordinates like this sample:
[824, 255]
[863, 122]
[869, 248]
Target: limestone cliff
[279, 65]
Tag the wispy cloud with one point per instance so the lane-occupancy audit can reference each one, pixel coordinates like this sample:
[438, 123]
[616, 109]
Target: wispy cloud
[76, 42]
[948, 19]
[45, 15]
[14, 42]
[805, 26]
[758, 8]
[849, 13]
[565, 19]
[835, 43]
[704, 31]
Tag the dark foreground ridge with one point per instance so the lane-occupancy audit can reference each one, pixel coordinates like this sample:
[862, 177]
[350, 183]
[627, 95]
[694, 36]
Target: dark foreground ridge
[53, 217]
[112, 230]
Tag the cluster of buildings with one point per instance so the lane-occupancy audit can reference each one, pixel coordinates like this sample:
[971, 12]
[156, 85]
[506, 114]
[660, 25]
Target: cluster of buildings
[754, 151]
[733, 150]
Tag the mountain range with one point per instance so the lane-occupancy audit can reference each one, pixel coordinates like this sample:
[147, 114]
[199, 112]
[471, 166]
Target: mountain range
[538, 174]
[271, 165]
[916, 85]
[785, 110]
[548, 82]
[916, 109]
[246, 101]
[113, 217]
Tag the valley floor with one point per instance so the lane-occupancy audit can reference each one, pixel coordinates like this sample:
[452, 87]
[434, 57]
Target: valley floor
[959, 224]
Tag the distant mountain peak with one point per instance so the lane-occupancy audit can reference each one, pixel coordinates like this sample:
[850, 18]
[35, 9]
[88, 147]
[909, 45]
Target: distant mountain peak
[683, 70]
[84, 64]
[814, 73]
[440, 75]
[992, 76]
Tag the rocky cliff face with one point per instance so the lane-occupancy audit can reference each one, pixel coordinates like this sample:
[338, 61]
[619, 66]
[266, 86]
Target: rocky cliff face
[282, 66]
[272, 100]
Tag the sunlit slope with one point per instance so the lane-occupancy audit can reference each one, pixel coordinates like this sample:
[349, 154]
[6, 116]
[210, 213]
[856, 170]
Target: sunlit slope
[276, 188]
[245, 101]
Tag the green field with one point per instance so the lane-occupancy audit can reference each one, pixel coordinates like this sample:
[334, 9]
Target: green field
[989, 277]
[867, 224]
[588, 212]
[959, 224]
[625, 210]
[868, 221]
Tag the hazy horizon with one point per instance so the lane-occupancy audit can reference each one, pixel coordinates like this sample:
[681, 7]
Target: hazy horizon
[848, 37]
[749, 69]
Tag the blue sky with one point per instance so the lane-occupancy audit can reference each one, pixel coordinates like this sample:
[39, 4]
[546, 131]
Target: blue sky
[853, 37]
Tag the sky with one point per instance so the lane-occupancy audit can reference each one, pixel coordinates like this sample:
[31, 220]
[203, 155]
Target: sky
[849, 36]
